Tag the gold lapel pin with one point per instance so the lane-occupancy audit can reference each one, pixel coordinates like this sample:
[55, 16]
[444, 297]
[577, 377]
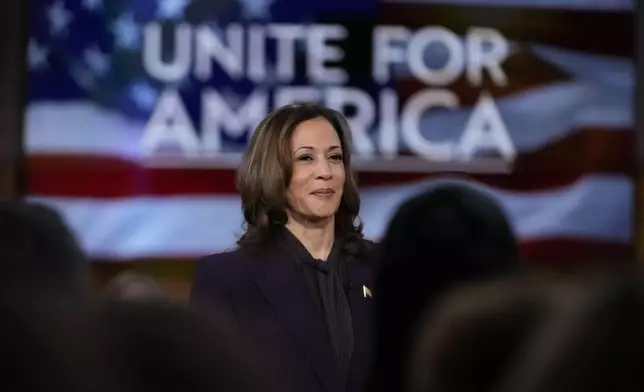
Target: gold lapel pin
[366, 292]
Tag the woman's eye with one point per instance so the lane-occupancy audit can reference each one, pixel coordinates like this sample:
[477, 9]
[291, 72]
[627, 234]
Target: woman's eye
[305, 158]
[337, 157]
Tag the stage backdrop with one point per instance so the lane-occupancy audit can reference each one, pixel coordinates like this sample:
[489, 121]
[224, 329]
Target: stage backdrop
[138, 111]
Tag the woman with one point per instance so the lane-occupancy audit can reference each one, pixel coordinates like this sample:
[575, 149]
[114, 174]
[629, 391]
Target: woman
[299, 281]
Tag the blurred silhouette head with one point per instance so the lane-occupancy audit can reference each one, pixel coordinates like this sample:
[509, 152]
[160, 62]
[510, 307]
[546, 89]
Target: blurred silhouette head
[473, 337]
[50, 345]
[520, 335]
[444, 237]
[39, 252]
[158, 346]
[595, 344]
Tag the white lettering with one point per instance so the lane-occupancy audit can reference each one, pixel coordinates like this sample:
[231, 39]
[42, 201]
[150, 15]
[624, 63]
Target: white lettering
[320, 52]
[416, 56]
[486, 130]
[209, 46]
[379, 125]
[256, 54]
[153, 63]
[487, 49]
[388, 142]
[410, 120]
[387, 49]
[339, 98]
[481, 48]
[170, 125]
[218, 117]
[286, 35]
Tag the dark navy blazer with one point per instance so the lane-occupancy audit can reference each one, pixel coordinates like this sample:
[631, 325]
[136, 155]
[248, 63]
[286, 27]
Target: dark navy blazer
[269, 299]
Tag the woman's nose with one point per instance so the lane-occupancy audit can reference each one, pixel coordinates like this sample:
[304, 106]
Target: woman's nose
[323, 170]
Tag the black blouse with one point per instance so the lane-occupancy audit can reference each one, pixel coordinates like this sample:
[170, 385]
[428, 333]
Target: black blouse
[328, 285]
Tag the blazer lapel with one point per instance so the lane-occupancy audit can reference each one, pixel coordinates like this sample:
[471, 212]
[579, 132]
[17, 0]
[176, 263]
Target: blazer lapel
[362, 311]
[288, 296]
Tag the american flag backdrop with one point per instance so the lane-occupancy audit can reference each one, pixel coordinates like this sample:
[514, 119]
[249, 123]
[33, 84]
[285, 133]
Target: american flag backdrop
[568, 108]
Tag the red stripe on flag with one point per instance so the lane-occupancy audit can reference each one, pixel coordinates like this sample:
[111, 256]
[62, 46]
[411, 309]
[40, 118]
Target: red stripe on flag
[589, 151]
[109, 177]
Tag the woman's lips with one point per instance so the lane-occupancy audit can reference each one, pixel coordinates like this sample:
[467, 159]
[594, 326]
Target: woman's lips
[323, 192]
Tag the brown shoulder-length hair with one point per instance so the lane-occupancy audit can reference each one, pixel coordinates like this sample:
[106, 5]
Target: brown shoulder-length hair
[266, 169]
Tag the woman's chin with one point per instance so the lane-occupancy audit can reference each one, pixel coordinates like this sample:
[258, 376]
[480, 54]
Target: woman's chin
[320, 216]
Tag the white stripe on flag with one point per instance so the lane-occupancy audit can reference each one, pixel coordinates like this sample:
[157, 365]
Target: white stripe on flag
[595, 208]
[534, 119]
[612, 71]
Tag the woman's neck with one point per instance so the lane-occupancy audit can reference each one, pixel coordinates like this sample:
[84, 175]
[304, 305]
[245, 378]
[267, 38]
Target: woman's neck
[316, 237]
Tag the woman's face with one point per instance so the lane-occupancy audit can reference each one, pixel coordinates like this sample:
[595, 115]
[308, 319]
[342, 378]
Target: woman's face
[318, 177]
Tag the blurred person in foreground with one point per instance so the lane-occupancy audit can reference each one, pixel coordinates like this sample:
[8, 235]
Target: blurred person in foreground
[127, 346]
[57, 341]
[470, 341]
[163, 346]
[46, 320]
[50, 345]
[299, 281]
[39, 252]
[595, 345]
[582, 334]
[447, 236]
